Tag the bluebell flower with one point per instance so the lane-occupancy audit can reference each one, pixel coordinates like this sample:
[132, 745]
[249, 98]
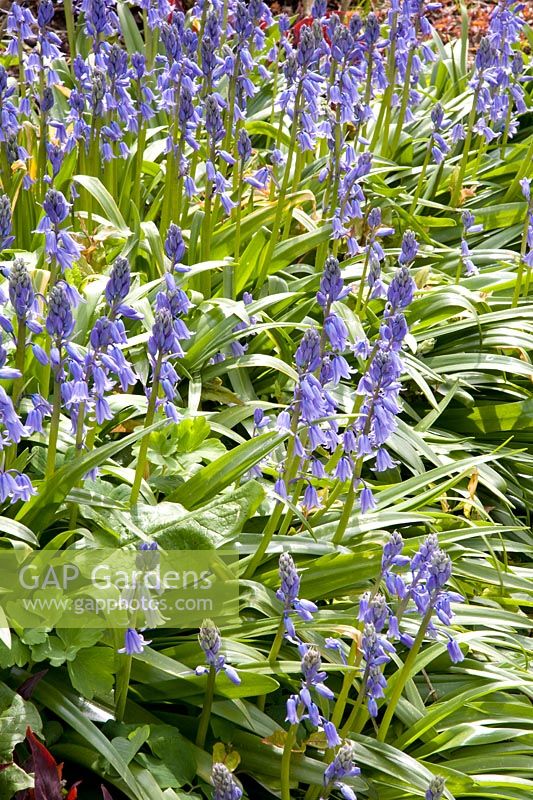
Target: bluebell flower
[336, 644]
[210, 642]
[59, 245]
[342, 766]
[392, 553]
[20, 23]
[331, 284]
[118, 285]
[22, 295]
[429, 571]
[14, 430]
[100, 20]
[6, 239]
[374, 609]
[366, 500]
[525, 185]
[163, 339]
[409, 249]
[175, 248]
[288, 594]
[225, 786]
[9, 123]
[401, 290]
[319, 8]
[41, 408]
[469, 226]
[49, 41]
[307, 355]
[435, 789]
[15, 486]
[302, 705]
[134, 643]
[377, 651]
[59, 320]
[244, 145]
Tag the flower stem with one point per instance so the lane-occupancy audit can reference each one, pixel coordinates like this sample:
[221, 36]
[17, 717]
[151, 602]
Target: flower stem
[520, 272]
[354, 713]
[403, 677]
[141, 140]
[54, 430]
[276, 644]
[265, 541]
[421, 178]
[20, 354]
[206, 709]
[525, 164]
[290, 473]
[456, 194]
[263, 272]
[354, 657]
[286, 763]
[122, 680]
[71, 31]
[79, 447]
[143, 447]
[405, 102]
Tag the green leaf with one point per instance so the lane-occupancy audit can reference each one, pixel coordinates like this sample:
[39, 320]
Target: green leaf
[13, 779]
[13, 529]
[175, 528]
[92, 672]
[39, 511]
[176, 753]
[212, 479]
[96, 188]
[16, 715]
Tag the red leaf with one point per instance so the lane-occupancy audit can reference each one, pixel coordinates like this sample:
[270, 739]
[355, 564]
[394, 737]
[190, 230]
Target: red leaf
[47, 771]
[105, 793]
[73, 793]
[26, 689]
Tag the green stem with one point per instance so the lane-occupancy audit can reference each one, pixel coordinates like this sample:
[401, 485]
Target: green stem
[345, 516]
[505, 137]
[403, 677]
[456, 194]
[54, 430]
[383, 121]
[22, 78]
[295, 183]
[71, 31]
[421, 178]
[276, 644]
[143, 448]
[354, 657]
[282, 194]
[354, 713]
[122, 679]
[141, 141]
[203, 725]
[290, 473]
[520, 272]
[525, 165]
[360, 293]
[286, 763]
[228, 278]
[405, 101]
[265, 541]
[79, 447]
[20, 355]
